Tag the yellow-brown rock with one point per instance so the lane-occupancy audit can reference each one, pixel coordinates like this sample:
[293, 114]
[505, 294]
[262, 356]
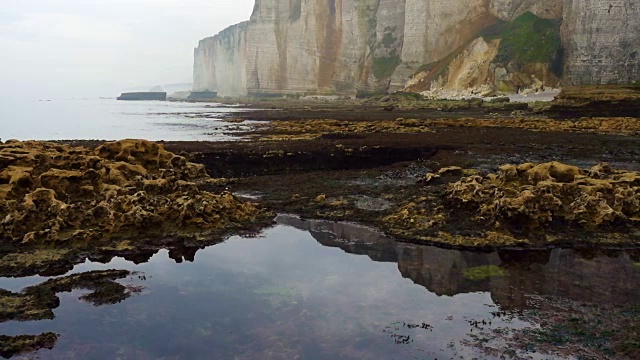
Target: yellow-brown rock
[52, 192]
[553, 171]
[532, 197]
[316, 128]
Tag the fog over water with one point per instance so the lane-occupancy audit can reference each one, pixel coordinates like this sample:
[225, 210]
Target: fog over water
[109, 119]
[70, 48]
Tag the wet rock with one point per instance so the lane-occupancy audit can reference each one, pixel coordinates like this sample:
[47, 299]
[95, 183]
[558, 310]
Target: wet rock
[37, 302]
[14, 345]
[596, 101]
[531, 197]
[371, 203]
[447, 173]
[334, 129]
[609, 125]
[51, 192]
[523, 205]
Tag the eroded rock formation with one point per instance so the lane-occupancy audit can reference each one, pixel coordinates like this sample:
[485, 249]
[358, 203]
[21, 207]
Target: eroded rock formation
[368, 46]
[524, 205]
[51, 192]
[533, 196]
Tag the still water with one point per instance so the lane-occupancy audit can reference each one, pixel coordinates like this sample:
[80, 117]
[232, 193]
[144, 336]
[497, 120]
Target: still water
[318, 290]
[109, 119]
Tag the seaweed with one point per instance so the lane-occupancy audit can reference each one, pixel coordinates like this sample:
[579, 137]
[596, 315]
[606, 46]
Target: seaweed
[37, 302]
[14, 345]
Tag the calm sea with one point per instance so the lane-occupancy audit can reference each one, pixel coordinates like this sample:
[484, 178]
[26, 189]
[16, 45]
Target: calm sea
[109, 119]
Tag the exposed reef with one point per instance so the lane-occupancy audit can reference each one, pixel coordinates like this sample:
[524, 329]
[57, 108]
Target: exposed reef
[525, 205]
[14, 345]
[327, 128]
[596, 101]
[406, 113]
[313, 129]
[37, 302]
[531, 196]
[51, 192]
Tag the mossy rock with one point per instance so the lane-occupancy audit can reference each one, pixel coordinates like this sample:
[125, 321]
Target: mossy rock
[14, 345]
[37, 302]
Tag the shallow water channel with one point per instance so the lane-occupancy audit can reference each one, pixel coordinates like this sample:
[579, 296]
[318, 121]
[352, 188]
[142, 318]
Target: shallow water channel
[321, 290]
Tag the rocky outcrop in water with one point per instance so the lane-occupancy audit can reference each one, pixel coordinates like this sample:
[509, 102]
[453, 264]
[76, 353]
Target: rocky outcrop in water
[13, 345]
[143, 96]
[348, 46]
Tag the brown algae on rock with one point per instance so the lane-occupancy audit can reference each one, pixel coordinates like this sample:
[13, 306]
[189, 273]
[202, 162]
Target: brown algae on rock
[15, 345]
[52, 192]
[329, 128]
[33, 258]
[37, 302]
[527, 204]
[290, 130]
[532, 196]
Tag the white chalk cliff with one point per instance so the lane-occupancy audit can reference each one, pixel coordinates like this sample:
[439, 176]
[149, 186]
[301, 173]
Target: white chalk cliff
[372, 46]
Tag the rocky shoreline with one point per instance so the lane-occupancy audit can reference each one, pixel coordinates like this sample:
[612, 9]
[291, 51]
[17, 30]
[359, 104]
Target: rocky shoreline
[86, 191]
[456, 174]
[60, 204]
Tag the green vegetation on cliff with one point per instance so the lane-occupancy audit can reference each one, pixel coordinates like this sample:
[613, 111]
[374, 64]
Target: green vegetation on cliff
[383, 67]
[527, 39]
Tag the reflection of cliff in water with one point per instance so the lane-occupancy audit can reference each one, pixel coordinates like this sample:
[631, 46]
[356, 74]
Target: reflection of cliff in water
[603, 277]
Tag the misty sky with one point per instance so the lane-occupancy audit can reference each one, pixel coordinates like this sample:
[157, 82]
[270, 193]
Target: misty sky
[98, 47]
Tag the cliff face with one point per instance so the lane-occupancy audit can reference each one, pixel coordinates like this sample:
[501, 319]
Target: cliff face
[602, 41]
[219, 62]
[368, 46]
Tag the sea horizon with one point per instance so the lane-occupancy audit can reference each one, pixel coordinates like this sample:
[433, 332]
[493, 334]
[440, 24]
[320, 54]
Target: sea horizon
[105, 118]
